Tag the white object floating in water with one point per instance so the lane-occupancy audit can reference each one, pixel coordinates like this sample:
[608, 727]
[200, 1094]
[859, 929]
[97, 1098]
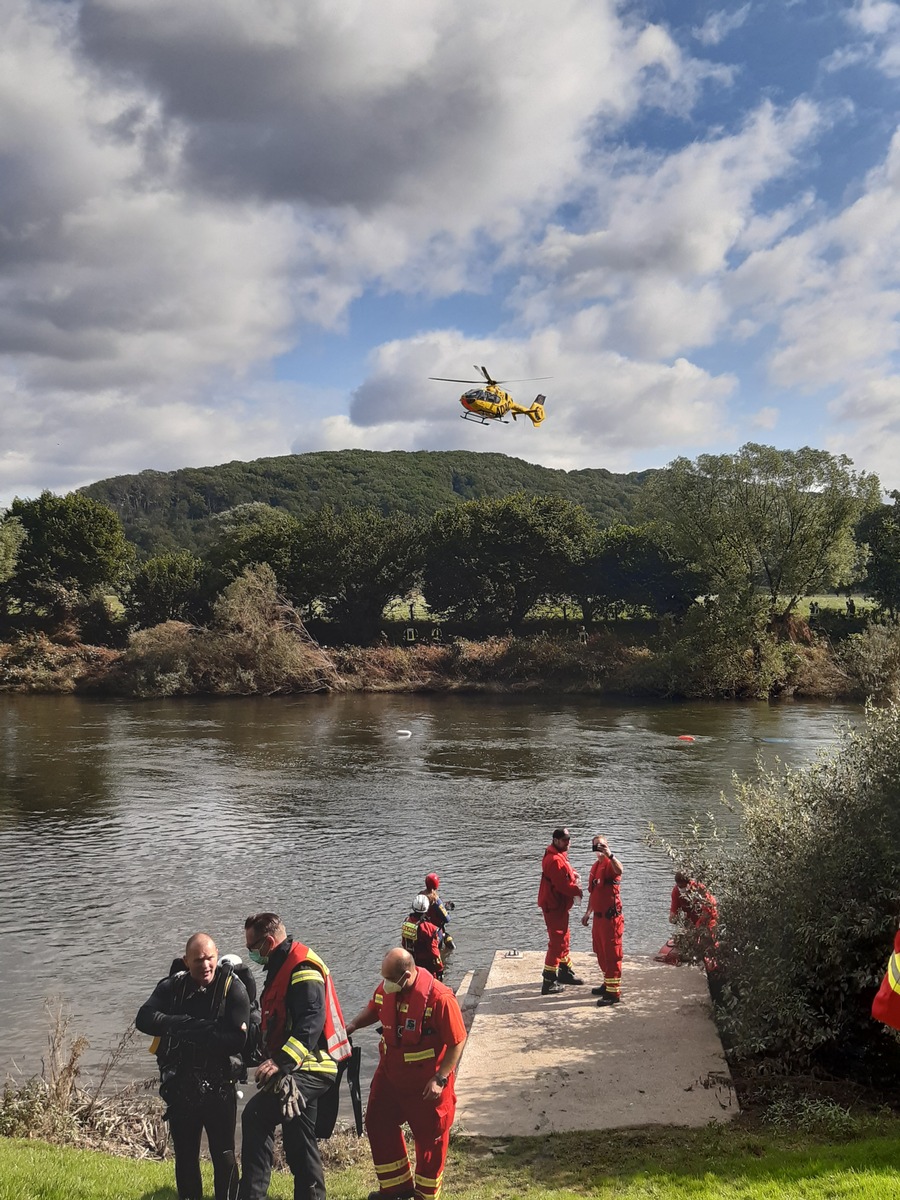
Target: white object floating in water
[404, 733]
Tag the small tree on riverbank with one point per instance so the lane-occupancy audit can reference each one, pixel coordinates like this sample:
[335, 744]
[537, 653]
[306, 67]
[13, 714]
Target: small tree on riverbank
[809, 896]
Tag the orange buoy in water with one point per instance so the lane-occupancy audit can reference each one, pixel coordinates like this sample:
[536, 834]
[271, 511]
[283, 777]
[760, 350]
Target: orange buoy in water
[685, 737]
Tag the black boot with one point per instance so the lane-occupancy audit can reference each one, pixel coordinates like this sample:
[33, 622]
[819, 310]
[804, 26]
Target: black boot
[608, 998]
[567, 975]
[551, 988]
[599, 991]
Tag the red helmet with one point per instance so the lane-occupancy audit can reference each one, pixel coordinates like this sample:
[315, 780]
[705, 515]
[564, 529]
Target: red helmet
[432, 881]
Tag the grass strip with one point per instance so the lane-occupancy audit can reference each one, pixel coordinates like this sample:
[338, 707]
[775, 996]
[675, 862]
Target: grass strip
[716, 1163]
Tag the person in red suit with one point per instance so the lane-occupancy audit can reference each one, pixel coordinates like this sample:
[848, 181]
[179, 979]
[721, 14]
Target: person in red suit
[694, 903]
[421, 1044]
[605, 906]
[560, 888]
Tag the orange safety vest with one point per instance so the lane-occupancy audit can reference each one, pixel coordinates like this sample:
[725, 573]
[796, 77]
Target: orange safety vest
[409, 1045]
[273, 1005]
[886, 1005]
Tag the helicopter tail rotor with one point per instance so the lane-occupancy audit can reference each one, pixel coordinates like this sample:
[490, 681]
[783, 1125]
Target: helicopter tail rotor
[535, 414]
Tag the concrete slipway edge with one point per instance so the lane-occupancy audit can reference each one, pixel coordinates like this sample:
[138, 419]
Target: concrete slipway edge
[540, 1064]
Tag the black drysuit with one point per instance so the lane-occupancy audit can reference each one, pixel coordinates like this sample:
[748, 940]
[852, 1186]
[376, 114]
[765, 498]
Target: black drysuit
[201, 1030]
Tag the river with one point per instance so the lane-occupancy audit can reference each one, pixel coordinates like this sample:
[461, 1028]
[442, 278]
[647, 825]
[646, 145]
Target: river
[126, 826]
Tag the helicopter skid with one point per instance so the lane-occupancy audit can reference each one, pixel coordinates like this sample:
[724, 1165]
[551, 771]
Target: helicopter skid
[482, 420]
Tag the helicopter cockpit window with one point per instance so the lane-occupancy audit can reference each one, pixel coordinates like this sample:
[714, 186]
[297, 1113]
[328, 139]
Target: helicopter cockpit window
[477, 394]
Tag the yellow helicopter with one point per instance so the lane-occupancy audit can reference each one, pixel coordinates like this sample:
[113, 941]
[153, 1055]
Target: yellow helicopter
[489, 402]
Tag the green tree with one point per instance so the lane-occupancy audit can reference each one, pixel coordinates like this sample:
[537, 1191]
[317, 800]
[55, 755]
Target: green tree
[253, 534]
[776, 521]
[627, 569]
[11, 537]
[882, 581]
[492, 560]
[169, 587]
[353, 563]
[72, 547]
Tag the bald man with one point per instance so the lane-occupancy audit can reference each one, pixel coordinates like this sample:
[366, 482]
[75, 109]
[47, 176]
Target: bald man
[199, 1015]
[421, 1045]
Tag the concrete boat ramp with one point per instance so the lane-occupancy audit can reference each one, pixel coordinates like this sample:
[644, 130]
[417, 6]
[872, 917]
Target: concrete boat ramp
[542, 1064]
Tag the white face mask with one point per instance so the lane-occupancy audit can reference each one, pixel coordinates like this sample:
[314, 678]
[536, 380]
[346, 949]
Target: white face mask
[390, 986]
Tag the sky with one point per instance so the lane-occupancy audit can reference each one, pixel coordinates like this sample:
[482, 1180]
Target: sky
[233, 229]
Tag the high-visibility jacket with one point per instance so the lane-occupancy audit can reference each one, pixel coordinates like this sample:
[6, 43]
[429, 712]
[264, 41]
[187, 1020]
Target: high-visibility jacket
[886, 1005]
[412, 1047]
[421, 938]
[273, 1004]
[559, 887]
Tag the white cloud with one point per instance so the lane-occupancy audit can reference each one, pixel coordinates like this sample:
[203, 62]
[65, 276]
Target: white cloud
[180, 195]
[718, 25]
[663, 235]
[765, 418]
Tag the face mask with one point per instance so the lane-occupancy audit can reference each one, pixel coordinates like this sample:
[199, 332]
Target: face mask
[390, 986]
[256, 957]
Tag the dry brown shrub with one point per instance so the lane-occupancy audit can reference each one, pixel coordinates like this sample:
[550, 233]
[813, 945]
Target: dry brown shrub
[257, 644]
[34, 663]
[816, 672]
[54, 1107]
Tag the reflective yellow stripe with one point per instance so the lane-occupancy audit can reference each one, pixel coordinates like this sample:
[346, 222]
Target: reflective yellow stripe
[297, 1051]
[380, 1168]
[894, 972]
[392, 1179]
[418, 1055]
[409, 931]
[307, 975]
[379, 999]
[428, 1012]
[320, 1066]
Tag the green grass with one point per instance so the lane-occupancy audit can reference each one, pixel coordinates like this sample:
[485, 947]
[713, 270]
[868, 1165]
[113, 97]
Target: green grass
[715, 1163]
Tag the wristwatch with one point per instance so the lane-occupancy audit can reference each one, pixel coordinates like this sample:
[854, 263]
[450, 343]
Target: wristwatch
[442, 1080]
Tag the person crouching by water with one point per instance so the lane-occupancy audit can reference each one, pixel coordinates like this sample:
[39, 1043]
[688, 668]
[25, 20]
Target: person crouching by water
[304, 1039]
[605, 906]
[200, 1016]
[560, 888]
[421, 1045]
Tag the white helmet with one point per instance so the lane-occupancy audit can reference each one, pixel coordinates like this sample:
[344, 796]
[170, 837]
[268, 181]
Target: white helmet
[232, 960]
[421, 903]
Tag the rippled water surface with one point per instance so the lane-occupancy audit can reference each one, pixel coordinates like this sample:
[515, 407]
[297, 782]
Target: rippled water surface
[124, 827]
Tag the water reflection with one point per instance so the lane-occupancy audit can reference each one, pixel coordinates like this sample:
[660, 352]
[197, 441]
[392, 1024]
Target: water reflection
[124, 827]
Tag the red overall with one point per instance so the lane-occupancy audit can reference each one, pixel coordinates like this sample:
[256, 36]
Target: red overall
[886, 1005]
[419, 1025]
[556, 895]
[608, 923]
[696, 904]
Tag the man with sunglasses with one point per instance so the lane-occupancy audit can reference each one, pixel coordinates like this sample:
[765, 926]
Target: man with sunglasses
[304, 1039]
[560, 888]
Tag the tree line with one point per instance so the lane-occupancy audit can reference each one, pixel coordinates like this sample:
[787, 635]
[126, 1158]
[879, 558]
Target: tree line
[178, 510]
[751, 532]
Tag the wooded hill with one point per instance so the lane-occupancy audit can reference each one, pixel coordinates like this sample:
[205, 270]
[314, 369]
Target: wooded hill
[167, 510]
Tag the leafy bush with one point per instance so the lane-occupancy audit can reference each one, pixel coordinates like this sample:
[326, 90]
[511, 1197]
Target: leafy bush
[808, 894]
[871, 659]
[718, 651]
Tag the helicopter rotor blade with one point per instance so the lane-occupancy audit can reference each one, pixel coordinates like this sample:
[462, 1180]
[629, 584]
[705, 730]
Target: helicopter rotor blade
[530, 379]
[484, 372]
[444, 379]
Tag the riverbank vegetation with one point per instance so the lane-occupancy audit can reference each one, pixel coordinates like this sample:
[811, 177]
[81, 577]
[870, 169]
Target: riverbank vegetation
[807, 888]
[707, 597]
